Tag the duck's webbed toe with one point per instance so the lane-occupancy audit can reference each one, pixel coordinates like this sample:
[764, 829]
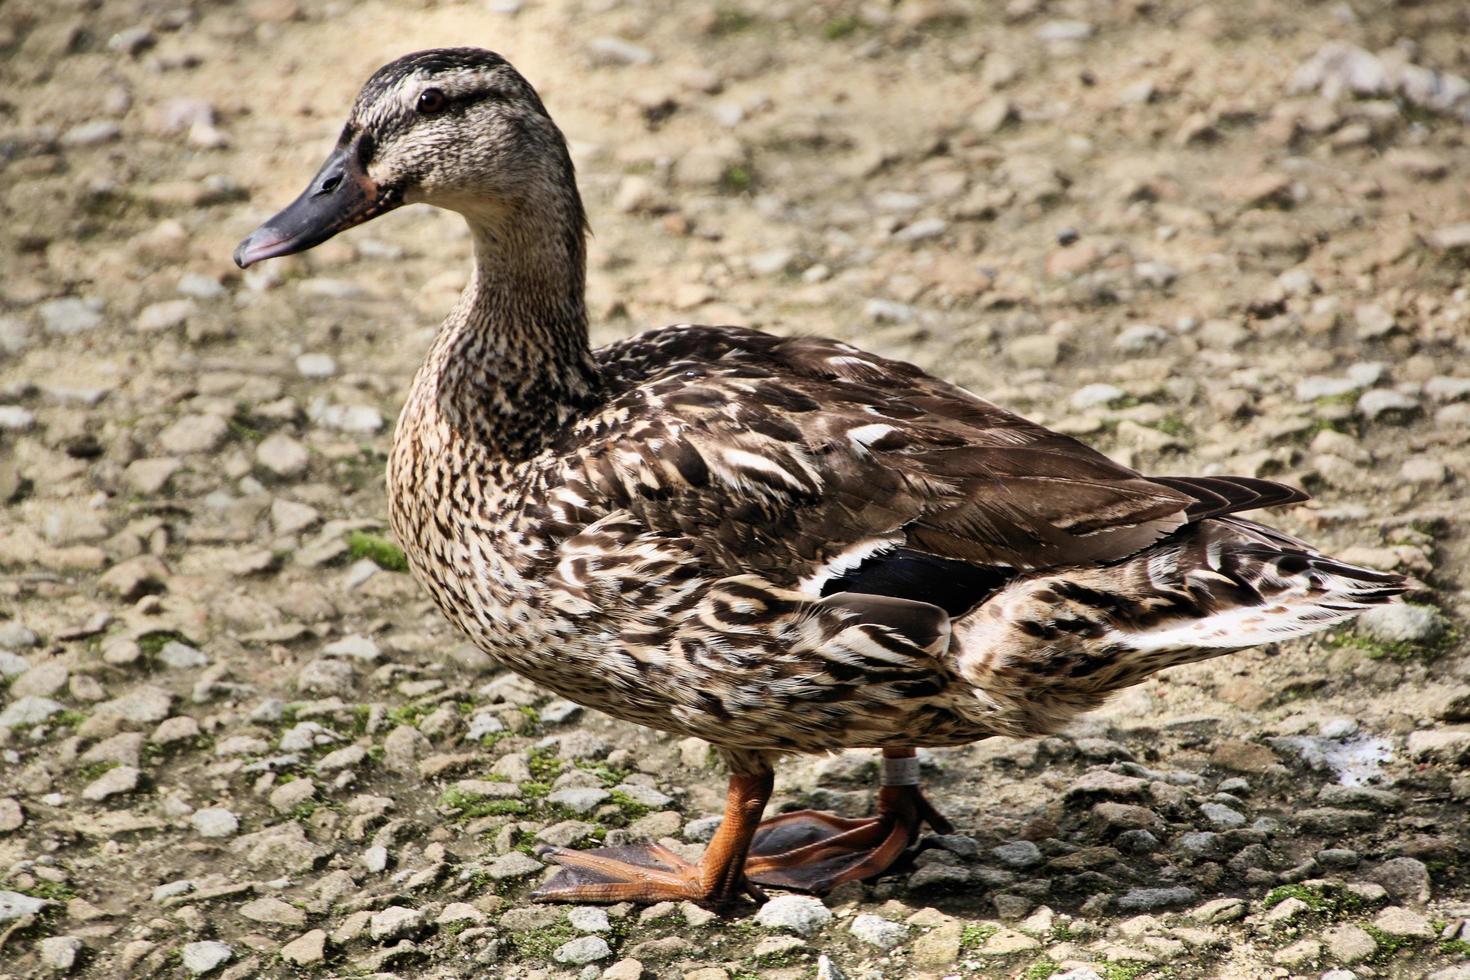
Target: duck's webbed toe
[633, 873]
[815, 852]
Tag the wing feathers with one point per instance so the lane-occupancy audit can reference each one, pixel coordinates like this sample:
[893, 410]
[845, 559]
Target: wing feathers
[780, 454]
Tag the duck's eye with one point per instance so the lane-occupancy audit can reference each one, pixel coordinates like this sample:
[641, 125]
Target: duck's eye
[431, 102]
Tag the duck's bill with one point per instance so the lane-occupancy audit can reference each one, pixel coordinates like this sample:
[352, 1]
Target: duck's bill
[339, 197]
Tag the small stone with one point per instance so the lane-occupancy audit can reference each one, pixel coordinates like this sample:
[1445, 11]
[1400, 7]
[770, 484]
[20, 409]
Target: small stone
[922, 230]
[1096, 395]
[1239, 756]
[327, 676]
[200, 286]
[460, 912]
[282, 455]
[1446, 744]
[588, 919]
[12, 817]
[1425, 471]
[1219, 910]
[202, 957]
[1102, 782]
[1403, 622]
[310, 947]
[289, 517]
[1299, 954]
[1017, 854]
[59, 953]
[1385, 403]
[132, 40]
[42, 680]
[354, 645]
[1221, 816]
[1140, 338]
[113, 782]
[150, 476]
[1152, 899]
[352, 419]
[826, 969]
[16, 636]
[628, 969]
[1008, 941]
[582, 950]
[214, 822]
[776, 946]
[878, 931]
[1349, 944]
[1373, 321]
[800, 914]
[165, 315]
[71, 315]
[887, 311]
[993, 115]
[579, 799]
[938, 948]
[194, 434]
[772, 262]
[1401, 922]
[1261, 190]
[1034, 351]
[27, 711]
[344, 758]
[1337, 858]
[395, 922]
[14, 905]
[616, 51]
[644, 795]
[273, 911]
[177, 729]
[1064, 31]
[235, 745]
[13, 418]
[1404, 878]
[181, 656]
[513, 865]
[135, 577]
[288, 796]
[1450, 238]
[316, 365]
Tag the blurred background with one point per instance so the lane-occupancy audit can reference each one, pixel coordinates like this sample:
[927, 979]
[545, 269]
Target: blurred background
[1204, 236]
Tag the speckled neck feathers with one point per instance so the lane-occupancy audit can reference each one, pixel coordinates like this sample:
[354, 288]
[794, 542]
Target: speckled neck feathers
[511, 366]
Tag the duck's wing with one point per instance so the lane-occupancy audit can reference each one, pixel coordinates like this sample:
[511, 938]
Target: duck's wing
[819, 466]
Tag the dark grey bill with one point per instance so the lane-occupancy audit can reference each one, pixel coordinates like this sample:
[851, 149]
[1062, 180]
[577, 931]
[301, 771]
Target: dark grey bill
[340, 196]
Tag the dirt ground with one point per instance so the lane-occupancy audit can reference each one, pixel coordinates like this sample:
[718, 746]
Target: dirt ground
[1207, 237]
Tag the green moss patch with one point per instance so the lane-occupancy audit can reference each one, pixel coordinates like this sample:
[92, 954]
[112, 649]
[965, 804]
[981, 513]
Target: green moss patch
[378, 550]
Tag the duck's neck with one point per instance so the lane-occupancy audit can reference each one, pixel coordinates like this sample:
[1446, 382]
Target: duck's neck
[512, 366]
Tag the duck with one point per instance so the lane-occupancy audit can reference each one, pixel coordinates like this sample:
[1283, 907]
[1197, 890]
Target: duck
[781, 545]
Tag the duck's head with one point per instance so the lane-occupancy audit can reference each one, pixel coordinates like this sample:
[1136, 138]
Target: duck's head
[458, 128]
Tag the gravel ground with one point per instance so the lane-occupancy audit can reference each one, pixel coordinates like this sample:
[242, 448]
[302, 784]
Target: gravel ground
[236, 740]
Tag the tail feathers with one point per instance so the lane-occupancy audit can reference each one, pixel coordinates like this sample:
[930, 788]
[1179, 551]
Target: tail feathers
[1230, 583]
[1216, 496]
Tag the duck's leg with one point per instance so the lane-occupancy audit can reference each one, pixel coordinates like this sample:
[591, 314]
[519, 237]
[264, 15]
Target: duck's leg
[813, 851]
[652, 873]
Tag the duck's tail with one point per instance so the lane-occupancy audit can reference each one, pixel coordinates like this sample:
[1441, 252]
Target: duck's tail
[1217, 585]
[1229, 583]
[1052, 644]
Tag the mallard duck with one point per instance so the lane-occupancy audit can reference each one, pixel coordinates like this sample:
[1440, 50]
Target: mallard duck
[777, 544]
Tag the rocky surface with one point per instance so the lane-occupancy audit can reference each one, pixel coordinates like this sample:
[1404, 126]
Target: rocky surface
[235, 740]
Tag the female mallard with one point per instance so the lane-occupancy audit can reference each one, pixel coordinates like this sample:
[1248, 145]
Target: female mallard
[776, 544]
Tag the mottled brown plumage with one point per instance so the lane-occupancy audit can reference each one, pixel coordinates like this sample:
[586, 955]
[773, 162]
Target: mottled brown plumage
[775, 544]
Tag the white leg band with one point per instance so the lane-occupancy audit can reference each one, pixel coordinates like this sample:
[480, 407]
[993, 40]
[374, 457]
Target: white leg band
[902, 771]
